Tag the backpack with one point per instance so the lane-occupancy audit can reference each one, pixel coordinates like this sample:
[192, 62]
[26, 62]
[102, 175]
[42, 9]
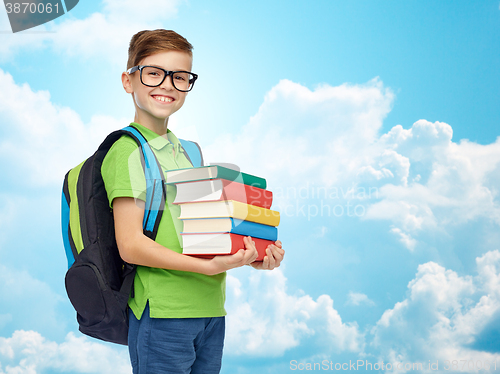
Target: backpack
[98, 282]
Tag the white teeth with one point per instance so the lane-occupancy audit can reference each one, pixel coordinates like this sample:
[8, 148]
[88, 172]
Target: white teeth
[163, 98]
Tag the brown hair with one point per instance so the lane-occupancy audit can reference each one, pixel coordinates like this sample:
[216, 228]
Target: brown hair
[148, 42]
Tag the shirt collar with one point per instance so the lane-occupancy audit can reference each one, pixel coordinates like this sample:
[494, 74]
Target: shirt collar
[156, 141]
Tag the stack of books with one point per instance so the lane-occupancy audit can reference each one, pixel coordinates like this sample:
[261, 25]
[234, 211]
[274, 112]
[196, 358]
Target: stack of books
[219, 207]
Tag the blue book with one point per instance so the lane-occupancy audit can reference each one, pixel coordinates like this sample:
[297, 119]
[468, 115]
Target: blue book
[232, 225]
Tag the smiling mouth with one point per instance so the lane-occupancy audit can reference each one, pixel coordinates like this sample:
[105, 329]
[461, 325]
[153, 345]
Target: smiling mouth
[163, 99]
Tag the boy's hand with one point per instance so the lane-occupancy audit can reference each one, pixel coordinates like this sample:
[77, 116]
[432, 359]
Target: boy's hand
[275, 254]
[242, 257]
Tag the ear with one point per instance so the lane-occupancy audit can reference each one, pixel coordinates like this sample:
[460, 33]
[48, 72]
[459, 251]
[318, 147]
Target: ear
[127, 84]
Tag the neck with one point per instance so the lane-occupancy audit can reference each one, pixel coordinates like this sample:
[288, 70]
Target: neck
[159, 126]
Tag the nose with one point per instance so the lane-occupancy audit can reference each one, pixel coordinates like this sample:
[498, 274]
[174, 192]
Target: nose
[167, 83]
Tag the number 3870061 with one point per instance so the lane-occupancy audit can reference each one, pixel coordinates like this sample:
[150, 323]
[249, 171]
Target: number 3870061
[31, 8]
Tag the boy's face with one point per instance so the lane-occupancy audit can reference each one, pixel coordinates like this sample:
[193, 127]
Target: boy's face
[155, 104]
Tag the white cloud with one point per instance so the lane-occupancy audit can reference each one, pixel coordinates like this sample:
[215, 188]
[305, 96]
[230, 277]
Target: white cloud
[29, 302]
[444, 317]
[330, 138]
[103, 34]
[28, 352]
[322, 135]
[264, 320]
[95, 37]
[12, 43]
[455, 182]
[302, 131]
[404, 238]
[43, 141]
[356, 299]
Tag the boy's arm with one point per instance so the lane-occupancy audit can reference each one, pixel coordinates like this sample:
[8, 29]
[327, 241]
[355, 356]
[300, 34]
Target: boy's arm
[136, 248]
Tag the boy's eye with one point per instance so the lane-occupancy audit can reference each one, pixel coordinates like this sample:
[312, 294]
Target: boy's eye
[180, 77]
[153, 73]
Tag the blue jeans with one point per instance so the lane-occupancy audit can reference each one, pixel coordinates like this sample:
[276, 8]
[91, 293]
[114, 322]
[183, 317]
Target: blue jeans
[175, 345]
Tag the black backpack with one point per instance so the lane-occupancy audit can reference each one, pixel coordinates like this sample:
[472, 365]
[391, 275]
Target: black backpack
[98, 281]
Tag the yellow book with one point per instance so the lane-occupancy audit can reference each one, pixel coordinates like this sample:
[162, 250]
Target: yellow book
[230, 208]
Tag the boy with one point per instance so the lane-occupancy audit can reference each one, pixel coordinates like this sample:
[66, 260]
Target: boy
[177, 305]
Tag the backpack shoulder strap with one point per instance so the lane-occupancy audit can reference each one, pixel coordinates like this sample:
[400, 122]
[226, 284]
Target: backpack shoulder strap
[69, 245]
[192, 152]
[155, 186]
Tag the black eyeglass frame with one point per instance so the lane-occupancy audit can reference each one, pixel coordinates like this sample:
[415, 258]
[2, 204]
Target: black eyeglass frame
[167, 73]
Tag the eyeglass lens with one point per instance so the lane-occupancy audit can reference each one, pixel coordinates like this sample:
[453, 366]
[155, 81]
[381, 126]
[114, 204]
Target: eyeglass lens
[152, 76]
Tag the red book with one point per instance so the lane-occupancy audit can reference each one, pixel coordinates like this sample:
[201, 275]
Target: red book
[220, 244]
[222, 189]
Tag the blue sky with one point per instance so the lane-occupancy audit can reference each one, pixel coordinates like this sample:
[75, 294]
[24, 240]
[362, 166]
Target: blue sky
[376, 126]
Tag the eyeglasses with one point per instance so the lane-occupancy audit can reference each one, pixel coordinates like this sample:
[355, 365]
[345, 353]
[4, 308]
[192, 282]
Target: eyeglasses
[153, 76]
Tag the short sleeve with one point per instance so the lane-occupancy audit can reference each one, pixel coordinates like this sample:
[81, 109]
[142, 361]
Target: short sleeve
[122, 171]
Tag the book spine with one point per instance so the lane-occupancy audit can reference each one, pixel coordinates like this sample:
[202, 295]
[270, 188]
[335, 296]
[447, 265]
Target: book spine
[247, 194]
[255, 230]
[254, 213]
[237, 244]
[237, 176]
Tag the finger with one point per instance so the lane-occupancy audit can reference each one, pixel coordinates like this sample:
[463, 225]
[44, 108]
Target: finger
[270, 256]
[249, 243]
[249, 247]
[253, 254]
[278, 253]
[265, 263]
[250, 252]
[249, 260]
[278, 243]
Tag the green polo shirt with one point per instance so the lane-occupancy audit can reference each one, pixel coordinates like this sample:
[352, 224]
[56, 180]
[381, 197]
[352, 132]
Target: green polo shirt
[171, 293]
